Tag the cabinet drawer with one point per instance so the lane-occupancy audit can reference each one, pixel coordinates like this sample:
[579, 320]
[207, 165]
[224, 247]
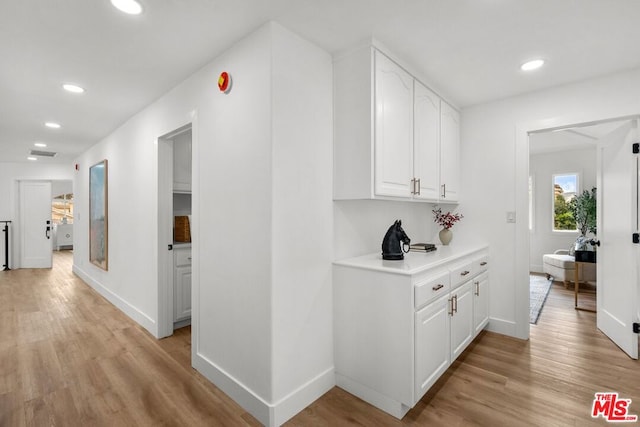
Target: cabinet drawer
[431, 287]
[481, 263]
[461, 272]
[183, 257]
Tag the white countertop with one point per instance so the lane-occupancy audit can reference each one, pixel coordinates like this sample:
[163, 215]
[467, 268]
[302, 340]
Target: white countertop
[413, 262]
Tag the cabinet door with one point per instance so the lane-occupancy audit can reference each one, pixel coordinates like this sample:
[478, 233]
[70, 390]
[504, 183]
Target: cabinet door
[480, 302]
[449, 153]
[431, 345]
[393, 129]
[426, 142]
[462, 319]
[182, 163]
[182, 294]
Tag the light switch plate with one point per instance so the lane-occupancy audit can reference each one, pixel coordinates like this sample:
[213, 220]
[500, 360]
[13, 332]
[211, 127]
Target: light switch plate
[511, 217]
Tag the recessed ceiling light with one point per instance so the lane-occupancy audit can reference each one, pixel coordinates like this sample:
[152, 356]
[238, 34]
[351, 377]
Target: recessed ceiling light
[72, 88]
[52, 125]
[40, 144]
[131, 7]
[33, 159]
[532, 65]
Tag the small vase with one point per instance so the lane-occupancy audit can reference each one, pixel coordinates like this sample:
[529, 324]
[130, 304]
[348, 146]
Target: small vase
[445, 236]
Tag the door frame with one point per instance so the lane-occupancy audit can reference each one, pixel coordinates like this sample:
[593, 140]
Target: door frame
[165, 223]
[522, 237]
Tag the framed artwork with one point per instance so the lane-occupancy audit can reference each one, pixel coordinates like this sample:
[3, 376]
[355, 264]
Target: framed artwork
[98, 214]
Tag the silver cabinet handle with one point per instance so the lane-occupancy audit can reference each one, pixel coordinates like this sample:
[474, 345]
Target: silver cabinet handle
[413, 186]
[483, 263]
[450, 300]
[464, 273]
[455, 298]
[477, 288]
[438, 287]
[418, 186]
[444, 191]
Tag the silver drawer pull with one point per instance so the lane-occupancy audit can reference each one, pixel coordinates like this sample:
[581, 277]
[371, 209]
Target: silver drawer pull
[464, 273]
[483, 263]
[438, 287]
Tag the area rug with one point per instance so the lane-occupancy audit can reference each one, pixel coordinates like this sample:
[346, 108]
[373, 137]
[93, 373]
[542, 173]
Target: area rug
[539, 288]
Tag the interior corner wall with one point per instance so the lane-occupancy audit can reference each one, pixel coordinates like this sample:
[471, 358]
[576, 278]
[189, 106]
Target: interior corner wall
[302, 245]
[489, 155]
[542, 167]
[10, 174]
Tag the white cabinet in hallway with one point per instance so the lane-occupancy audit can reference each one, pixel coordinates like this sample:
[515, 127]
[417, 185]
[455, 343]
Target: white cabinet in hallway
[394, 138]
[399, 325]
[182, 283]
[393, 129]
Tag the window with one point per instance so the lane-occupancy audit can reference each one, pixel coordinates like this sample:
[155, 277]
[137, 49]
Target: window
[565, 188]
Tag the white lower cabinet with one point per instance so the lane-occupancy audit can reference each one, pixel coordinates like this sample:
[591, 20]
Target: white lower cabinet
[399, 325]
[182, 284]
[480, 302]
[433, 355]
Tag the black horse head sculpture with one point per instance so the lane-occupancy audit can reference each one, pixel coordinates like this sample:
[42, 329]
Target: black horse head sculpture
[394, 242]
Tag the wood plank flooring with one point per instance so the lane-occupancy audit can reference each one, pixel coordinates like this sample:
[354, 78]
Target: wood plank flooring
[69, 358]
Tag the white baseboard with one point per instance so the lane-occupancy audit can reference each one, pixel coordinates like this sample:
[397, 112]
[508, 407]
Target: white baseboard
[373, 397]
[139, 317]
[268, 414]
[501, 326]
[302, 397]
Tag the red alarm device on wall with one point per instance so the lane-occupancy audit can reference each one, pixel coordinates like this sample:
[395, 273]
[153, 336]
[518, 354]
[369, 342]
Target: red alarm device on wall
[224, 82]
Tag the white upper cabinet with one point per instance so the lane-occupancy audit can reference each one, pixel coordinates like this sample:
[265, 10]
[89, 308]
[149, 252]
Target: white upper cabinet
[426, 142]
[393, 129]
[450, 153]
[182, 162]
[388, 133]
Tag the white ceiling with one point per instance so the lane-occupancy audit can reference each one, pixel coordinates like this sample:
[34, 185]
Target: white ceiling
[470, 50]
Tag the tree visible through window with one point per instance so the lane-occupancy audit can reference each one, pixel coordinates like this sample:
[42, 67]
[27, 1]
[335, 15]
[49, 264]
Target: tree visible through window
[565, 188]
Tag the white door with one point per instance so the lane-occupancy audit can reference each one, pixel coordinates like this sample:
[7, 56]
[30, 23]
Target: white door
[449, 153]
[393, 129]
[426, 142]
[35, 224]
[432, 344]
[617, 262]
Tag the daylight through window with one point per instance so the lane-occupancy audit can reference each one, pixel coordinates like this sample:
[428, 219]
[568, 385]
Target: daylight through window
[565, 188]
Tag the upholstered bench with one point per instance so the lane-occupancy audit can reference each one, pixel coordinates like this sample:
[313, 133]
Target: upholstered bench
[561, 266]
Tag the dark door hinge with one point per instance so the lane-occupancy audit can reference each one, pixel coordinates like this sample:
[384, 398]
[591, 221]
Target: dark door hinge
[636, 237]
[636, 328]
[636, 147]
[170, 247]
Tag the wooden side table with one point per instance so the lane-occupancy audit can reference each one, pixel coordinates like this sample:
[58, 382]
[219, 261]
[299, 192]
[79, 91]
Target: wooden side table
[577, 284]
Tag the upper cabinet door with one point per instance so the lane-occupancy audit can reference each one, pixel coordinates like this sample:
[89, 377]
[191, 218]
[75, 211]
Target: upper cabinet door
[393, 129]
[426, 142]
[449, 154]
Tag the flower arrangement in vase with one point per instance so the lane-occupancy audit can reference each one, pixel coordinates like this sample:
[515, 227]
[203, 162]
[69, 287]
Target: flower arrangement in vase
[446, 220]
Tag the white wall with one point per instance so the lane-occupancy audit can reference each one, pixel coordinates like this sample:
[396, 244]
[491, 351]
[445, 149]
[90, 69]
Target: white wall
[10, 174]
[261, 230]
[360, 225]
[495, 175]
[542, 167]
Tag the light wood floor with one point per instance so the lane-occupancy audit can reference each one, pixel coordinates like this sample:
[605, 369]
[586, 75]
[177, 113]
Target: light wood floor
[69, 358]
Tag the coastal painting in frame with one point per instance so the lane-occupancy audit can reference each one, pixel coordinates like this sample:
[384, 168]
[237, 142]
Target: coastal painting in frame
[98, 234]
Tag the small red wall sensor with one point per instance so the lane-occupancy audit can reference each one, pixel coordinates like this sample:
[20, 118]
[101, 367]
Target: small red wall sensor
[224, 82]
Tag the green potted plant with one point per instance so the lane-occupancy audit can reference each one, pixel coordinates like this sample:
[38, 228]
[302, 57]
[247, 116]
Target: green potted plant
[583, 207]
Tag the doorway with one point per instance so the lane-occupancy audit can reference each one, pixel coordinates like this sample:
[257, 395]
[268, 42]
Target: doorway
[602, 134]
[174, 229]
[45, 221]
